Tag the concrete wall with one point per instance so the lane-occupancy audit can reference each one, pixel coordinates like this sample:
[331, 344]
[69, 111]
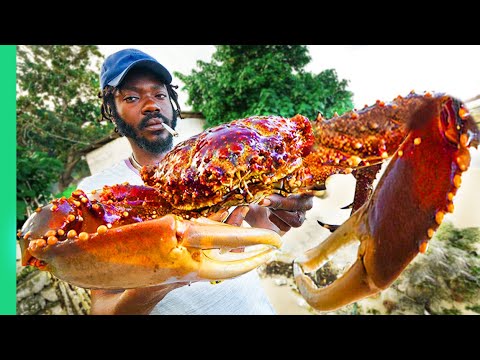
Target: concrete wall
[119, 149]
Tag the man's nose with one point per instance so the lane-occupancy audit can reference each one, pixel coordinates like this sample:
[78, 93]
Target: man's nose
[150, 105]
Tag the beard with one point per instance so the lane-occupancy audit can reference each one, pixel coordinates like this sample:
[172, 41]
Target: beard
[155, 147]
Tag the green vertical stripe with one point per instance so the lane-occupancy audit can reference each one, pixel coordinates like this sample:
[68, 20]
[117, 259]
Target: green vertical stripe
[8, 180]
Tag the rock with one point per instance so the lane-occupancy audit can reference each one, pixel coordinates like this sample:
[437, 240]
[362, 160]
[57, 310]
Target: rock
[40, 293]
[50, 294]
[32, 285]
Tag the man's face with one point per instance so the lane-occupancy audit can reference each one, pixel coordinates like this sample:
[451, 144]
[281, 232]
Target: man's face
[141, 105]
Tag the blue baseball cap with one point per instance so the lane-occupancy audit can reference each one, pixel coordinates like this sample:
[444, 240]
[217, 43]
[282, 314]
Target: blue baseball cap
[117, 65]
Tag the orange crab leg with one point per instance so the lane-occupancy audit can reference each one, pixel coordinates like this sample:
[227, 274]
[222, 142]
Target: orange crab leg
[154, 252]
[128, 244]
[406, 208]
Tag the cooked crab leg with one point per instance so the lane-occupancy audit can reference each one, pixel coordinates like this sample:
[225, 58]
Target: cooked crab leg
[125, 244]
[406, 208]
[354, 285]
[203, 233]
[160, 251]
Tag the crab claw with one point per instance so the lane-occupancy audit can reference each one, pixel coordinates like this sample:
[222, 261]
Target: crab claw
[352, 286]
[405, 209]
[147, 253]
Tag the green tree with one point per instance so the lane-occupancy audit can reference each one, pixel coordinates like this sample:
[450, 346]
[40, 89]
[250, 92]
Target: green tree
[245, 80]
[57, 112]
[34, 170]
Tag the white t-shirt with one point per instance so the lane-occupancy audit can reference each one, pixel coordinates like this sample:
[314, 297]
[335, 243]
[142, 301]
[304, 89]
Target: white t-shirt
[243, 295]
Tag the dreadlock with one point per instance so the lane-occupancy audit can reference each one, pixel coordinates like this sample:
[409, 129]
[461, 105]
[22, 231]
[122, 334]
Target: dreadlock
[108, 102]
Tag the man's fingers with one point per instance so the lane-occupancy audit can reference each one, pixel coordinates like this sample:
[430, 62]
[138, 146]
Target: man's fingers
[302, 202]
[237, 216]
[258, 216]
[291, 218]
[279, 222]
[220, 215]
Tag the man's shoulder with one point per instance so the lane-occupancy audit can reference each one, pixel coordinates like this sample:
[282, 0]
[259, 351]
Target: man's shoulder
[115, 174]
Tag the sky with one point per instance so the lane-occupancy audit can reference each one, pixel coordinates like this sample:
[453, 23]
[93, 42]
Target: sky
[373, 72]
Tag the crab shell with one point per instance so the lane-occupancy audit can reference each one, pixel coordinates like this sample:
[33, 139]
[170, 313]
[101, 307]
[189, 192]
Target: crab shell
[234, 163]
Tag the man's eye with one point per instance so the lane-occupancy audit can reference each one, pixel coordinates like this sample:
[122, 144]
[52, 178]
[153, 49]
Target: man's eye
[130, 98]
[161, 96]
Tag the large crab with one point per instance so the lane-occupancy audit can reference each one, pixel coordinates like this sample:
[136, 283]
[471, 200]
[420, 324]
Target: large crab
[135, 236]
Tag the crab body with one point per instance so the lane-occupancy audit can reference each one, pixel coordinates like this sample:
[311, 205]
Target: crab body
[232, 164]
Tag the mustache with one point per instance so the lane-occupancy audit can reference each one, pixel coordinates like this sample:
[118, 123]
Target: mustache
[143, 122]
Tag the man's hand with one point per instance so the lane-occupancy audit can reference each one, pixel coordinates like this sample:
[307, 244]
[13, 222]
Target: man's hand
[276, 212]
[279, 213]
[129, 302]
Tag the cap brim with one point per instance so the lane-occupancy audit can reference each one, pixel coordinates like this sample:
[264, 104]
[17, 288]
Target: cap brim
[156, 67]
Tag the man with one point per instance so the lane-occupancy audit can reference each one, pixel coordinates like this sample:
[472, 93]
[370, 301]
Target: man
[138, 98]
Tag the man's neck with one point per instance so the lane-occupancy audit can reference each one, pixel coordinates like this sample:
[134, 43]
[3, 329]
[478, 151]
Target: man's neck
[144, 157]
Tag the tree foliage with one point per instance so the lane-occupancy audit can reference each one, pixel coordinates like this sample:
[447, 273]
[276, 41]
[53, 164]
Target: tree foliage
[34, 174]
[57, 112]
[245, 80]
